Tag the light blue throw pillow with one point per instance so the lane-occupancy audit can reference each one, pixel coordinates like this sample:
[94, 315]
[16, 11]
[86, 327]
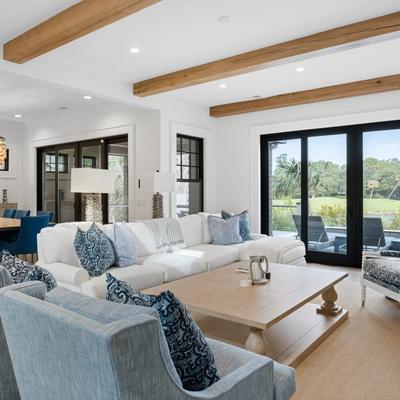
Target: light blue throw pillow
[224, 231]
[124, 244]
[94, 250]
[244, 225]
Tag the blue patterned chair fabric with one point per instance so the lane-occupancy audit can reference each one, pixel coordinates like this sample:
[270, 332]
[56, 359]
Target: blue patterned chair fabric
[384, 272]
[100, 350]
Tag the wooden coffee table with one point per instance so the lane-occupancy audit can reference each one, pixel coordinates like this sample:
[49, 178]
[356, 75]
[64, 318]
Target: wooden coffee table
[276, 319]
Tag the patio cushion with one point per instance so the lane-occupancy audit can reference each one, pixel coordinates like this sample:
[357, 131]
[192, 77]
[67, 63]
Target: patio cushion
[384, 272]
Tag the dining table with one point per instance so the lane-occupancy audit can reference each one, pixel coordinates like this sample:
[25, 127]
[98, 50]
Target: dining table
[8, 224]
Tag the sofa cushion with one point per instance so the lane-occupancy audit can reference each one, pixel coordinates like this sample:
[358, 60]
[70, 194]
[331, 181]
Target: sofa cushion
[140, 276]
[224, 231]
[99, 310]
[384, 272]
[192, 229]
[5, 277]
[94, 250]
[124, 243]
[244, 225]
[176, 266]
[144, 239]
[189, 350]
[213, 255]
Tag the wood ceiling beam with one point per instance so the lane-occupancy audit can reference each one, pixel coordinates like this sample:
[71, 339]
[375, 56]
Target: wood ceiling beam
[82, 18]
[362, 32]
[358, 88]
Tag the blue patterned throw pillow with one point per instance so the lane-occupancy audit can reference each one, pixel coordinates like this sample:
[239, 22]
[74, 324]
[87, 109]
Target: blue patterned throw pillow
[244, 224]
[224, 231]
[22, 271]
[124, 242]
[190, 352]
[94, 250]
[40, 274]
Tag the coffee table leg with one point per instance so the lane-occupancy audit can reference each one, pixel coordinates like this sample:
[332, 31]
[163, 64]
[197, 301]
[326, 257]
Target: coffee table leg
[329, 307]
[256, 342]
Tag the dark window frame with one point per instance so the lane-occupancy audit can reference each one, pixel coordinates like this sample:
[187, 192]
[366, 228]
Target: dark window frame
[199, 168]
[65, 163]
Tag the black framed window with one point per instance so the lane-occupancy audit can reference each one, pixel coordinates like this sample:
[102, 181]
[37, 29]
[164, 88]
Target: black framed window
[89, 162]
[189, 173]
[62, 163]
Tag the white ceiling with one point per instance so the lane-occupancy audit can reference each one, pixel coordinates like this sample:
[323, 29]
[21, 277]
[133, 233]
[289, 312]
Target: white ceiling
[175, 34]
[38, 101]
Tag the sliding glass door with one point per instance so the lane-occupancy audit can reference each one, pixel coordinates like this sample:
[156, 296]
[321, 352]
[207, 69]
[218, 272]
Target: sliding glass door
[336, 189]
[305, 191]
[54, 178]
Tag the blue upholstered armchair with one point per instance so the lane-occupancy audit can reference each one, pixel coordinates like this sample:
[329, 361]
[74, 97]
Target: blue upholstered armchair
[66, 346]
[8, 385]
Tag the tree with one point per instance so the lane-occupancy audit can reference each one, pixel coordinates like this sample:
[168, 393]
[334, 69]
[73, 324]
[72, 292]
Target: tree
[372, 185]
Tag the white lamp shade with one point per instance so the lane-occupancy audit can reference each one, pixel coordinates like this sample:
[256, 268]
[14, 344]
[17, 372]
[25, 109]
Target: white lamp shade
[92, 180]
[159, 182]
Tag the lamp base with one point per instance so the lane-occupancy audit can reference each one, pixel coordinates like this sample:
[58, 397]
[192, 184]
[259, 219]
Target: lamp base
[93, 210]
[158, 205]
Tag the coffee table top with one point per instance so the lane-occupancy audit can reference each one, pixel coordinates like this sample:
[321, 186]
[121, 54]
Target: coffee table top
[217, 293]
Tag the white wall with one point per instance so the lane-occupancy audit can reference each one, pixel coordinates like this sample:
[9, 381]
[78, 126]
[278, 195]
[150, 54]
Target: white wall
[15, 135]
[238, 170]
[141, 126]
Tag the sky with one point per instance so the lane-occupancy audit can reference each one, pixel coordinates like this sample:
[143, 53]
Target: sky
[382, 145]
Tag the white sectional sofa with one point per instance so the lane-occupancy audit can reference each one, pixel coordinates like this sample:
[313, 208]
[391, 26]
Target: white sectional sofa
[154, 267]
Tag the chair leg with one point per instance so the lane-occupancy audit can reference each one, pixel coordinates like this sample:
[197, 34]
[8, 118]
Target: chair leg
[363, 295]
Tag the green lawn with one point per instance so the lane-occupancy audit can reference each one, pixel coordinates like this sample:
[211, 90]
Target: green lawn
[370, 205]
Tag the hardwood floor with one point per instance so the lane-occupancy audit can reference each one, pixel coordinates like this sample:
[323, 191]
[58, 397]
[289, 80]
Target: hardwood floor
[361, 359]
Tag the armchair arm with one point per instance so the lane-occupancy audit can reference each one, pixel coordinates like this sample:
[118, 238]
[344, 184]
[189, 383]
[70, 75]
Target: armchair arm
[5, 277]
[258, 236]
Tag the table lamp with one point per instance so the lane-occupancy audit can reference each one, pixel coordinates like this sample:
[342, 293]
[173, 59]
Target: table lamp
[92, 182]
[158, 183]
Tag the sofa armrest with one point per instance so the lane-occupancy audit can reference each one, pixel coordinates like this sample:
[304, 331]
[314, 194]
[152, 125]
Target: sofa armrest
[258, 236]
[66, 273]
[253, 380]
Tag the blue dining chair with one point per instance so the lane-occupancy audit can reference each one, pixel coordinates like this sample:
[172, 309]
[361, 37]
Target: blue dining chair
[21, 213]
[49, 213]
[26, 242]
[9, 213]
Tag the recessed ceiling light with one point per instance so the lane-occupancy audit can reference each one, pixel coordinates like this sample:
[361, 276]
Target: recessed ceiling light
[224, 19]
[222, 86]
[87, 97]
[135, 50]
[300, 69]
[257, 96]
[17, 116]
[63, 108]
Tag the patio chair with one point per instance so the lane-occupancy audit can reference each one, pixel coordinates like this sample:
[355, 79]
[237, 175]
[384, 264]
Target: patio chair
[373, 234]
[317, 236]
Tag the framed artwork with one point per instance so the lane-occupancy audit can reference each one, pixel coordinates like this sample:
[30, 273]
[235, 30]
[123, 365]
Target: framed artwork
[4, 165]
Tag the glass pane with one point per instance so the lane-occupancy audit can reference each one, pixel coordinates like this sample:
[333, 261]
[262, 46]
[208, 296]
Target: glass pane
[194, 174]
[188, 198]
[91, 156]
[381, 188]
[48, 184]
[118, 210]
[178, 144]
[178, 158]
[194, 160]
[186, 145]
[285, 187]
[185, 172]
[178, 172]
[194, 146]
[66, 208]
[185, 159]
[327, 170]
